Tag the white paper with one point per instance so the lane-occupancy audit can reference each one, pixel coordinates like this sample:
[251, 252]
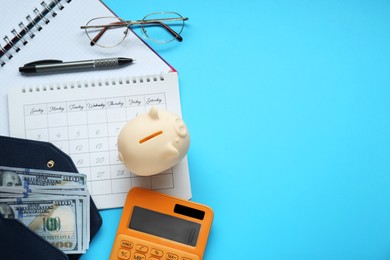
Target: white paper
[83, 119]
[94, 155]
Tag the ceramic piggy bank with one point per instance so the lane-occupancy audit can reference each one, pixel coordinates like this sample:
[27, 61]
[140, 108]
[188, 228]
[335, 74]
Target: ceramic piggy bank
[153, 142]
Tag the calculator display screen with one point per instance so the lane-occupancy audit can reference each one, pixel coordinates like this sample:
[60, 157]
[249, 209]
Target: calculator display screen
[163, 225]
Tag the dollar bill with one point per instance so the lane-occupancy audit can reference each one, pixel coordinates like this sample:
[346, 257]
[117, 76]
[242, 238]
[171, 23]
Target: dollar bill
[19, 179]
[57, 220]
[9, 192]
[53, 204]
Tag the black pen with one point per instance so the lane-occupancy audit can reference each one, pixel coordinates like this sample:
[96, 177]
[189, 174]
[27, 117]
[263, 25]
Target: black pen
[45, 66]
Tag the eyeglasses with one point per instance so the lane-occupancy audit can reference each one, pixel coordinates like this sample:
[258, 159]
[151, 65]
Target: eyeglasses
[161, 27]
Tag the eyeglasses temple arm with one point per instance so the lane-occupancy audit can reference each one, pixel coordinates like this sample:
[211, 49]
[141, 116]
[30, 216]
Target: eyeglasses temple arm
[166, 27]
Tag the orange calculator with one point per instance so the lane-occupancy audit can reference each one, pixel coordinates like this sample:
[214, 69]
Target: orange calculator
[155, 226]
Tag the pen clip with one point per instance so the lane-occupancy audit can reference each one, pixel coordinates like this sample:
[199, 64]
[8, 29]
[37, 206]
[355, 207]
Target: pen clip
[42, 62]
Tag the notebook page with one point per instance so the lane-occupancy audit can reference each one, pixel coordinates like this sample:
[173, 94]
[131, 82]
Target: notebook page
[62, 39]
[84, 121]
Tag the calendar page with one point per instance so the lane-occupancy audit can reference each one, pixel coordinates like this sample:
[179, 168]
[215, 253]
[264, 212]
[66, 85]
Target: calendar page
[83, 119]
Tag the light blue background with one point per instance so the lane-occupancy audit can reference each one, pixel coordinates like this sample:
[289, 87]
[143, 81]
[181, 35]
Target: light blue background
[287, 103]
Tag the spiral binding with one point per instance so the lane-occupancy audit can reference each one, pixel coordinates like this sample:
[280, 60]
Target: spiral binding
[112, 82]
[21, 35]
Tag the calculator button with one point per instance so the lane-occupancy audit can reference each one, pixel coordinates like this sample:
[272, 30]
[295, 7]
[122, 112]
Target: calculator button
[141, 248]
[171, 256]
[126, 243]
[124, 254]
[156, 252]
[138, 256]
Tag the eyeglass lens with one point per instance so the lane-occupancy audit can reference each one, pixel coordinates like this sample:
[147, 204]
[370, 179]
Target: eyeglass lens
[108, 36]
[159, 31]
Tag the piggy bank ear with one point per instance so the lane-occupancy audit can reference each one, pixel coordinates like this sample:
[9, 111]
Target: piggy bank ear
[180, 127]
[153, 113]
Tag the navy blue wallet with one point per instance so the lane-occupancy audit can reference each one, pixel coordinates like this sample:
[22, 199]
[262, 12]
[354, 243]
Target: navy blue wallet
[16, 240]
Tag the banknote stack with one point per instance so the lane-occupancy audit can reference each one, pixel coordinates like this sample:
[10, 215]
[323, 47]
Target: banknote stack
[53, 204]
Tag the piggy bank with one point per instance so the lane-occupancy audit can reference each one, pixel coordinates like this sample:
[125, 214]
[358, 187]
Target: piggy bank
[153, 142]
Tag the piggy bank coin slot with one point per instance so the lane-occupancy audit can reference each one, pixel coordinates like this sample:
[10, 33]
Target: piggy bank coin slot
[143, 140]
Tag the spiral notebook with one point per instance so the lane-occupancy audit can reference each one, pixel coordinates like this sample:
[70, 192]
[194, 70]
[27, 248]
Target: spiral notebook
[50, 29]
[82, 112]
